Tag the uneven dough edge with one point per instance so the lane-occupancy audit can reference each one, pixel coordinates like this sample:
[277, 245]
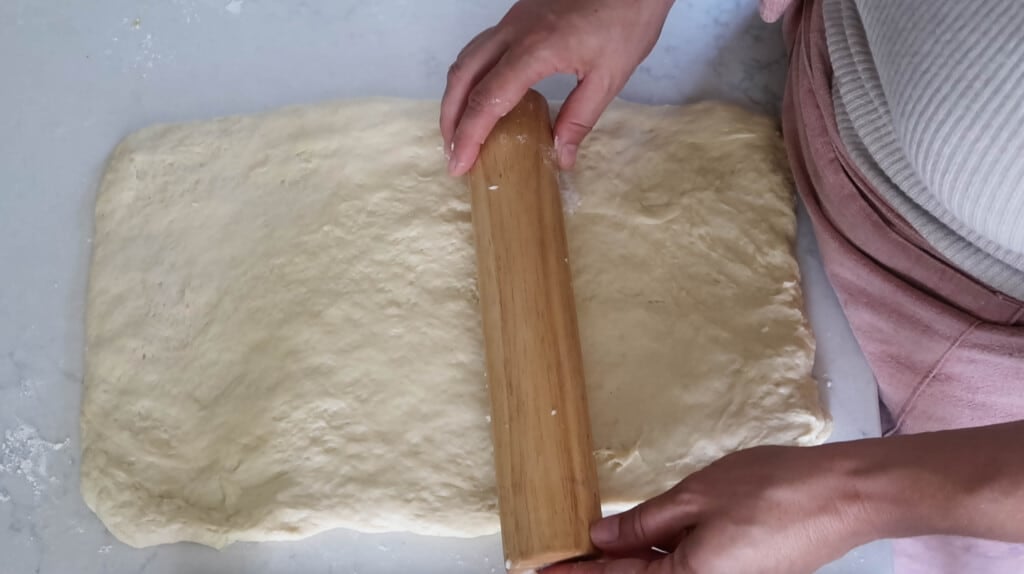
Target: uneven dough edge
[807, 427]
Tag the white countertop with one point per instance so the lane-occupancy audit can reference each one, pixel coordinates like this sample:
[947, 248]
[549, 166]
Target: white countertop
[78, 76]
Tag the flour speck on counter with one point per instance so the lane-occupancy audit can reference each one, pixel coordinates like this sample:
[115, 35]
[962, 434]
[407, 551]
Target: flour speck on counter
[25, 455]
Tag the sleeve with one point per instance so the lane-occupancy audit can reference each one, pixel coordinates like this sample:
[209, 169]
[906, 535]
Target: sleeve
[772, 10]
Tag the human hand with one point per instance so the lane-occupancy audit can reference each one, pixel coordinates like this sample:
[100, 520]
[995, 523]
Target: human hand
[765, 510]
[601, 42]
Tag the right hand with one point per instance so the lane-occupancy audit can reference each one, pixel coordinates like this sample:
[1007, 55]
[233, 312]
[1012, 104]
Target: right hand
[601, 42]
[769, 510]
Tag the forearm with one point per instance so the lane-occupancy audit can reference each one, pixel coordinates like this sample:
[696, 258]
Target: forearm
[967, 482]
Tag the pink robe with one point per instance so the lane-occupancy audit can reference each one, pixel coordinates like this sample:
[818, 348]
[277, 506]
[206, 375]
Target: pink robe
[947, 351]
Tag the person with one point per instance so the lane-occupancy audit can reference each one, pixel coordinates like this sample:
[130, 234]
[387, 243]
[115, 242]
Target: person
[906, 142]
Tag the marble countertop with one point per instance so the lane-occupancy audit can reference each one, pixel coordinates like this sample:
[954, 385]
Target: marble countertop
[79, 76]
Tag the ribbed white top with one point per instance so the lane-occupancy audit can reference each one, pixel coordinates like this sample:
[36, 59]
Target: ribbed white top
[929, 98]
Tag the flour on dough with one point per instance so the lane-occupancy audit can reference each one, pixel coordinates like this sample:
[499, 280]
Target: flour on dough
[283, 334]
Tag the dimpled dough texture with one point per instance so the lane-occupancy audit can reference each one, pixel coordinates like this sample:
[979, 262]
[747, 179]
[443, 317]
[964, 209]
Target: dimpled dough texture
[283, 333]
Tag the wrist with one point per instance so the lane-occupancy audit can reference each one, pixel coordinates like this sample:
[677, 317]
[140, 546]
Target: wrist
[962, 482]
[902, 486]
[875, 493]
[862, 495]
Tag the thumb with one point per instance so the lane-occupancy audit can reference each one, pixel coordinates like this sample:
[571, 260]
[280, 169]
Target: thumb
[578, 115]
[658, 521]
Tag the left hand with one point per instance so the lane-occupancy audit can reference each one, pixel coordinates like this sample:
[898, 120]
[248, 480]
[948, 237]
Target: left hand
[765, 510]
[601, 42]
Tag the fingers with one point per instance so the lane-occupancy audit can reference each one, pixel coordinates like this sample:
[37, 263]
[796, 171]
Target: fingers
[473, 63]
[664, 517]
[623, 566]
[663, 565]
[641, 562]
[579, 113]
[496, 94]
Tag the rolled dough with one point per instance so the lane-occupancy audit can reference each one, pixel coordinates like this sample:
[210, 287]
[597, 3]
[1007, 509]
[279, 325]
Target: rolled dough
[283, 334]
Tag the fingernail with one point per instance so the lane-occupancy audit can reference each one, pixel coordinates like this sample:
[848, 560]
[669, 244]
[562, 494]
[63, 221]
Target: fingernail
[453, 164]
[567, 156]
[606, 530]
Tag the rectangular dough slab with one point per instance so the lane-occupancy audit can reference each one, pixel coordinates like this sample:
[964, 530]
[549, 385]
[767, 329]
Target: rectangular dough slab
[283, 334]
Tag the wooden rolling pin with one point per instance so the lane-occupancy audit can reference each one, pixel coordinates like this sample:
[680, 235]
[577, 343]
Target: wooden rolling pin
[547, 482]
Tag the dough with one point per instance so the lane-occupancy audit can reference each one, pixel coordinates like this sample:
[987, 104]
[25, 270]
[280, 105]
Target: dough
[283, 334]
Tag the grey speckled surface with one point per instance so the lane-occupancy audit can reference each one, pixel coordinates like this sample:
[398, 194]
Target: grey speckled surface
[79, 76]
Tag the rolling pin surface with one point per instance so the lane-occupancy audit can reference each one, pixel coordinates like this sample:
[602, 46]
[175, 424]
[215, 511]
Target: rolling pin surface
[546, 477]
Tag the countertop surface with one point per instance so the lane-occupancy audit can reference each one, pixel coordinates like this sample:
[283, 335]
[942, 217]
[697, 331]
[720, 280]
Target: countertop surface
[78, 76]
